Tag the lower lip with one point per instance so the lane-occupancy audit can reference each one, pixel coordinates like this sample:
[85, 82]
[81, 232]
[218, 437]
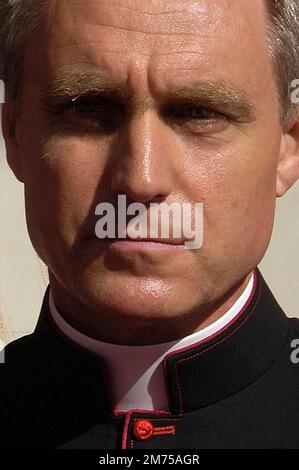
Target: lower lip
[142, 245]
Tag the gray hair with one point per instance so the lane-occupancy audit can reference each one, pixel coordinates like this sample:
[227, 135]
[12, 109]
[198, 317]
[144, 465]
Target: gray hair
[18, 21]
[20, 18]
[283, 34]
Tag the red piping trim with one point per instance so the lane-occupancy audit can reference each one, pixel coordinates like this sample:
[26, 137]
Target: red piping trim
[205, 340]
[125, 431]
[165, 419]
[164, 430]
[137, 410]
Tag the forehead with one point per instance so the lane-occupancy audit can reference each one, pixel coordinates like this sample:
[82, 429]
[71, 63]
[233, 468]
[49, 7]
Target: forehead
[166, 40]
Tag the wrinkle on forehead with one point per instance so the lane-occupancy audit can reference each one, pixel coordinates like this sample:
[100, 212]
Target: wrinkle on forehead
[184, 18]
[156, 28]
[155, 17]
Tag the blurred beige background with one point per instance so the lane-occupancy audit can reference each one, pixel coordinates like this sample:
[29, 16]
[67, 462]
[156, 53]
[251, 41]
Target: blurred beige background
[23, 277]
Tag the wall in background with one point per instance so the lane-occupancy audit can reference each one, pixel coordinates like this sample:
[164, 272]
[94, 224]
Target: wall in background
[280, 266]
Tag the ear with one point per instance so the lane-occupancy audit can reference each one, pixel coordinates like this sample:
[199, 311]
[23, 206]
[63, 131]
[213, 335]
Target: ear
[13, 153]
[288, 165]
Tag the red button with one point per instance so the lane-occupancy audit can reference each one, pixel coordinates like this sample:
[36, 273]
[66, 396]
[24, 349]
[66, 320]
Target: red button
[143, 429]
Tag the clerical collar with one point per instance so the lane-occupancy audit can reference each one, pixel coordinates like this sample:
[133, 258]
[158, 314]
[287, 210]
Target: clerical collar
[136, 373]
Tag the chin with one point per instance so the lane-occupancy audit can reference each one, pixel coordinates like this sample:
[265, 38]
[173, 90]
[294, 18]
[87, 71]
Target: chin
[136, 297]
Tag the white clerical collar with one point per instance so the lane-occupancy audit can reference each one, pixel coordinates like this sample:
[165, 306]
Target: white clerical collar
[136, 372]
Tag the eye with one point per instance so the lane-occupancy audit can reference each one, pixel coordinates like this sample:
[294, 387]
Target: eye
[85, 106]
[90, 113]
[196, 119]
[194, 112]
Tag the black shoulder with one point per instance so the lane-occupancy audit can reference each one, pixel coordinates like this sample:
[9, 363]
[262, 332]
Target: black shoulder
[15, 351]
[294, 325]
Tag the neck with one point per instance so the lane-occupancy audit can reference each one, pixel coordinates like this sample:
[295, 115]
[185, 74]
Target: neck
[110, 327]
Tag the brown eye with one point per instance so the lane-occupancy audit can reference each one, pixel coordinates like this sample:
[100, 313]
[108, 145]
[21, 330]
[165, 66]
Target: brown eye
[94, 107]
[92, 113]
[197, 112]
[85, 106]
[194, 119]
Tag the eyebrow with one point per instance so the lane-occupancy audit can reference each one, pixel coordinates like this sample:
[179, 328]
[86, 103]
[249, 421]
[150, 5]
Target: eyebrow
[75, 84]
[223, 97]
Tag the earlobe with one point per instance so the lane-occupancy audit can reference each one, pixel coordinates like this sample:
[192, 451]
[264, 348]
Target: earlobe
[288, 165]
[13, 153]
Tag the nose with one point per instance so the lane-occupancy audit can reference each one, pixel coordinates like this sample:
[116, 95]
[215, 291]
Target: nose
[143, 168]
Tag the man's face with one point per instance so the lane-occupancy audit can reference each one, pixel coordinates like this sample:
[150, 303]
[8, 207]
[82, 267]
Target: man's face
[160, 101]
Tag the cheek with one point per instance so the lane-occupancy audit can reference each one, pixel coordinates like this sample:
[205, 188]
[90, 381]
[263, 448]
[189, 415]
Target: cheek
[237, 186]
[62, 181]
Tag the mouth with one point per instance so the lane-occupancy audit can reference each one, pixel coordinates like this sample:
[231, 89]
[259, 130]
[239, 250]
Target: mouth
[161, 241]
[145, 243]
[139, 244]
